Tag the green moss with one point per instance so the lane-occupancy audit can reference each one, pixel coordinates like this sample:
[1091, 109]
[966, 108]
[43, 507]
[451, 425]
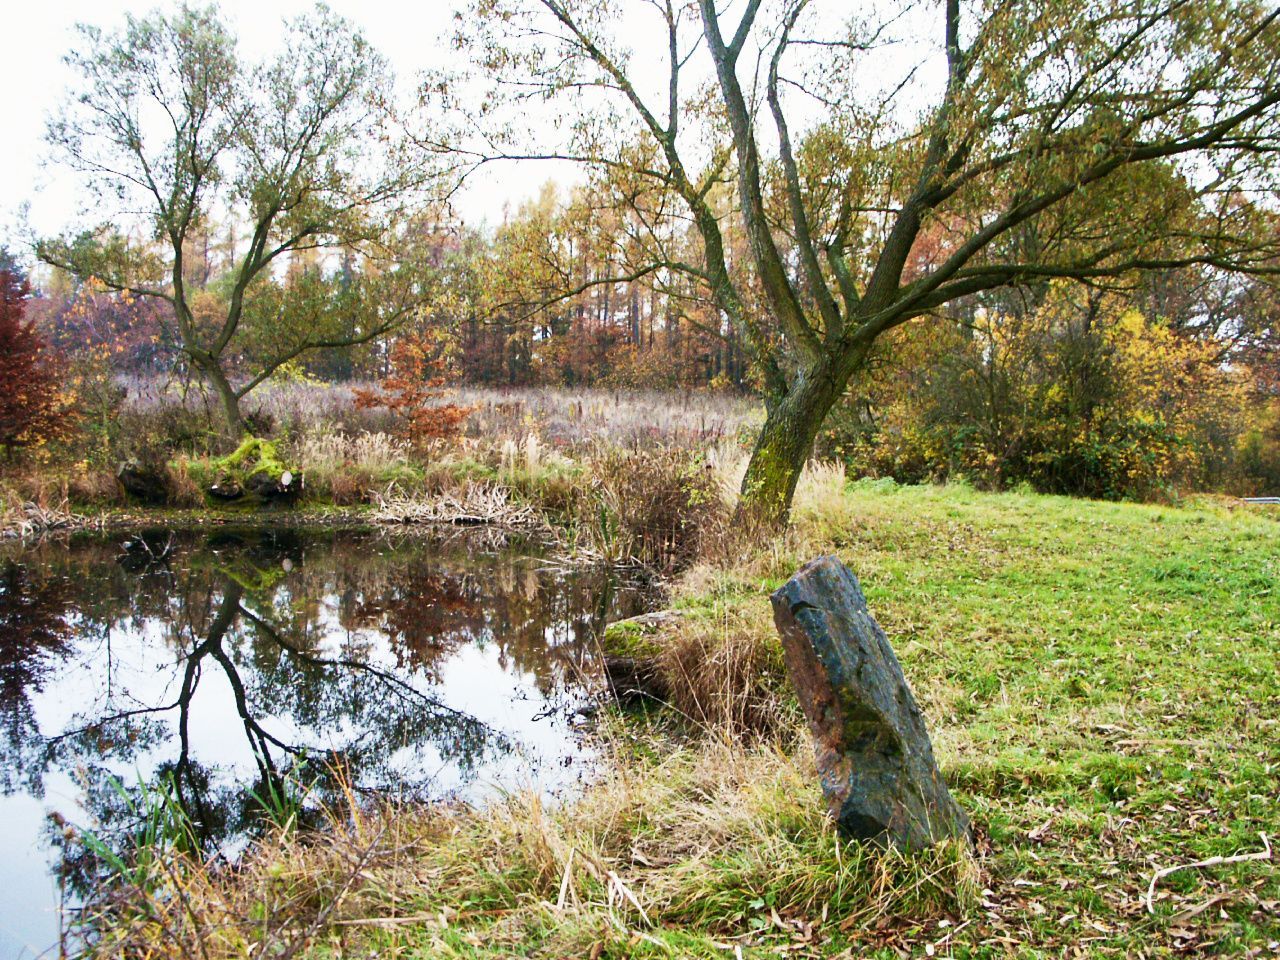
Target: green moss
[253, 456]
[628, 638]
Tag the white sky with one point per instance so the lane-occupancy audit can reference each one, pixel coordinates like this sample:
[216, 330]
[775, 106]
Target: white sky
[412, 35]
[42, 198]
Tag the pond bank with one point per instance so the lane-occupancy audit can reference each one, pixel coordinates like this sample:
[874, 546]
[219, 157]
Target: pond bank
[650, 507]
[1099, 682]
[201, 684]
[33, 524]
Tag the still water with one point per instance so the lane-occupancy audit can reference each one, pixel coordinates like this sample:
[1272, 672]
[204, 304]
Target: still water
[226, 663]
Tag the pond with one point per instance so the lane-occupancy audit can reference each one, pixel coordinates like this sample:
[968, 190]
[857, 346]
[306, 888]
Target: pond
[244, 662]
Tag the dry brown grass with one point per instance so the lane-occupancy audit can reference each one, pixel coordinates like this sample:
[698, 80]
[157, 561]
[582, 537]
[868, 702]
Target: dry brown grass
[570, 419]
[184, 490]
[654, 507]
[564, 418]
[704, 838]
[723, 672]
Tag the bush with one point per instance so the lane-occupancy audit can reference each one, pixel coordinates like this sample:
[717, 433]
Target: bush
[33, 409]
[1088, 399]
[412, 392]
[1258, 456]
[653, 507]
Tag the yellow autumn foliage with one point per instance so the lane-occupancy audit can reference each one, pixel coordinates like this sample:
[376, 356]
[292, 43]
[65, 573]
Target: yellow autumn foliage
[1088, 398]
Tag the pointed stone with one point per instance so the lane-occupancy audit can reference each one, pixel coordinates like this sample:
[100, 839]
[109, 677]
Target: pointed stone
[875, 759]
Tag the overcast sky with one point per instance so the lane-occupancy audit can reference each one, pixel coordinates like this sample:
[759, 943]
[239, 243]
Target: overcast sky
[412, 35]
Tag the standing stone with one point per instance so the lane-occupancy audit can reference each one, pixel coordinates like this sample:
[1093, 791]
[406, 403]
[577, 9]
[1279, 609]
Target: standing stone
[874, 756]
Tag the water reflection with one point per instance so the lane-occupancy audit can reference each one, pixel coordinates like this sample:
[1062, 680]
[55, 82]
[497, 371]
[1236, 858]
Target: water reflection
[33, 628]
[224, 663]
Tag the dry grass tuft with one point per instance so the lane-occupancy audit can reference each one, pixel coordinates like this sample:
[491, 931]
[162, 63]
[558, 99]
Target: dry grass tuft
[725, 674]
[714, 837]
[653, 507]
[86, 485]
[330, 451]
[184, 488]
[348, 469]
[820, 491]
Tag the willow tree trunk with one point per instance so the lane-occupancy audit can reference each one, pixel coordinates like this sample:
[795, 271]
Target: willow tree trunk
[785, 444]
[233, 426]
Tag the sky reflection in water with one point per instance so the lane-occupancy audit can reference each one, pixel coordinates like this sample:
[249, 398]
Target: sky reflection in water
[225, 660]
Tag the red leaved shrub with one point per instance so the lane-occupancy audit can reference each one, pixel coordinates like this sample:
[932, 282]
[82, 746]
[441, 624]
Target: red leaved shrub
[413, 390]
[32, 411]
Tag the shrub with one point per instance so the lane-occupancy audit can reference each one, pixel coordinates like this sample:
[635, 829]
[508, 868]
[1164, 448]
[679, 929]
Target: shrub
[32, 409]
[1258, 455]
[412, 392]
[1089, 399]
[653, 506]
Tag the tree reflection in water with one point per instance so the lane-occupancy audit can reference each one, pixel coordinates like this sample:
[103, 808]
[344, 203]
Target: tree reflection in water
[225, 663]
[33, 637]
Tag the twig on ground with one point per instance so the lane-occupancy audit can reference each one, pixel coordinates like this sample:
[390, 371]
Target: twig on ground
[31, 520]
[1195, 911]
[1263, 854]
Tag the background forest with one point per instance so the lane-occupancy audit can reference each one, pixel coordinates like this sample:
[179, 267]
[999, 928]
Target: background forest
[1060, 274]
[1169, 385]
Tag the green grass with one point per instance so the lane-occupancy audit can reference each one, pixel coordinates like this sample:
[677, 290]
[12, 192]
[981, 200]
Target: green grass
[1101, 684]
[1107, 669]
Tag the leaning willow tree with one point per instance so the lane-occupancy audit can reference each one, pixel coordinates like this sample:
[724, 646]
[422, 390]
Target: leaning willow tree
[175, 130]
[889, 161]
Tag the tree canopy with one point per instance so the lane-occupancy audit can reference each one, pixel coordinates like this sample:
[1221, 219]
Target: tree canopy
[175, 129]
[890, 164]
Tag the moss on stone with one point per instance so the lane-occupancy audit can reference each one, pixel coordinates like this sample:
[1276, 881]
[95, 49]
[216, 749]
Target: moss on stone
[627, 638]
[641, 637]
[254, 458]
[254, 455]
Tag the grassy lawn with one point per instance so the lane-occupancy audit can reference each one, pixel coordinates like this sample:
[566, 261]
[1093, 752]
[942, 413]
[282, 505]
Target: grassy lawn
[1101, 683]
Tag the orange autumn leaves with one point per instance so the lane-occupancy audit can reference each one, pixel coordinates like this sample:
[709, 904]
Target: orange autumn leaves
[413, 390]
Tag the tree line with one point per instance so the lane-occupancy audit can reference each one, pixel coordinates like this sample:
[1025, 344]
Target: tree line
[774, 195]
